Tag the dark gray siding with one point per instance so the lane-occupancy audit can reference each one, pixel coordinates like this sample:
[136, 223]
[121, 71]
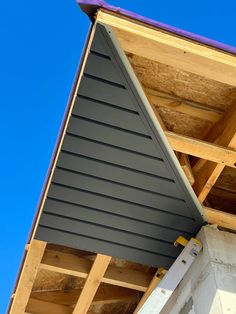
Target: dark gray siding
[115, 189]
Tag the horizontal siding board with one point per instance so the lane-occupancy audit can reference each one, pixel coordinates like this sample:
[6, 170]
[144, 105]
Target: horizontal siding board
[112, 136]
[121, 207]
[109, 248]
[99, 45]
[116, 174]
[107, 93]
[110, 115]
[104, 233]
[112, 221]
[115, 155]
[116, 189]
[130, 194]
[103, 68]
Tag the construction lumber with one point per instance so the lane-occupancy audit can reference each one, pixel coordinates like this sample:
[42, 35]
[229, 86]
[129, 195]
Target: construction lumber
[67, 263]
[172, 50]
[92, 283]
[202, 149]
[210, 172]
[27, 277]
[160, 99]
[186, 166]
[42, 307]
[106, 294]
[220, 218]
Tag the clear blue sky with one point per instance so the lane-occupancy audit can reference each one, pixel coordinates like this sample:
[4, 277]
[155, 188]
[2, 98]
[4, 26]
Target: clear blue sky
[41, 44]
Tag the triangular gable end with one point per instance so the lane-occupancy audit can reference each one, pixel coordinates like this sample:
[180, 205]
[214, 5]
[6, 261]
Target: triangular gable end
[117, 188]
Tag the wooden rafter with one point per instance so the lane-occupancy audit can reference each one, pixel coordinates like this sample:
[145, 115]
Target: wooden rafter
[27, 277]
[160, 99]
[172, 50]
[220, 218]
[210, 171]
[92, 283]
[201, 149]
[67, 263]
[43, 307]
[186, 166]
[106, 294]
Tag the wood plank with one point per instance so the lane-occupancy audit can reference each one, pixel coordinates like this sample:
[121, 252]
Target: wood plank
[186, 166]
[220, 218]
[92, 283]
[172, 50]
[67, 263]
[42, 307]
[27, 276]
[210, 172]
[105, 295]
[160, 99]
[216, 153]
[155, 281]
[215, 132]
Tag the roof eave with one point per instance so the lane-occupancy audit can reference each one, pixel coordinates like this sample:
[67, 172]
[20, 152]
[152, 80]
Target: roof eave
[90, 7]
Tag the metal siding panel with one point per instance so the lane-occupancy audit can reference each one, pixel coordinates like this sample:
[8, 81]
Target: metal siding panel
[115, 189]
[114, 173]
[130, 194]
[122, 207]
[104, 233]
[111, 154]
[109, 248]
[110, 220]
[110, 135]
[102, 67]
[103, 91]
[110, 115]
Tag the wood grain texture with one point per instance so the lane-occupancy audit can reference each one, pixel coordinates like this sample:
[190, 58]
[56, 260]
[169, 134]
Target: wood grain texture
[27, 277]
[92, 283]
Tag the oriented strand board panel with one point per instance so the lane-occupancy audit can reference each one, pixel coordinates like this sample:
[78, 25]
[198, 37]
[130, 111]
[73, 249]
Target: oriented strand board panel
[116, 188]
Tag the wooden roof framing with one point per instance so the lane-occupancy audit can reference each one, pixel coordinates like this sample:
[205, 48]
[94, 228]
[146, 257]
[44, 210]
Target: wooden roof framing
[198, 114]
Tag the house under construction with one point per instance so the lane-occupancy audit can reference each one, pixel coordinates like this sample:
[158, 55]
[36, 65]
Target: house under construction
[146, 154]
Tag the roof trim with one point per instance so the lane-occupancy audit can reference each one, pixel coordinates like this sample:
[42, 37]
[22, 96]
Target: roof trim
[90, 7]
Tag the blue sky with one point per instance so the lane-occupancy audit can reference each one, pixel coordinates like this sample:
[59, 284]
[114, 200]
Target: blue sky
[41, 44]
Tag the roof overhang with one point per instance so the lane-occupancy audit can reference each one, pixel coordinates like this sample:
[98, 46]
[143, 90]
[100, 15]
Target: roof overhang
[181, 51]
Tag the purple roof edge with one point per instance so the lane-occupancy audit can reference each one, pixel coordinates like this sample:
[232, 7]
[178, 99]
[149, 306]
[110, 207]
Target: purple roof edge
[91, 6]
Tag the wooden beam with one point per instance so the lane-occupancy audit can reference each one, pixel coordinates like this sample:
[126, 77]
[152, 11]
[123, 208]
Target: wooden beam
[106, 294]
[67, 263]
[42, 307]
[167, 48]
[160, 99]
[215, 132]
[92, 283]
[27, 276]
[210, 172]
[202, 149]
[186, 166]
[155, 281]
[220, 218]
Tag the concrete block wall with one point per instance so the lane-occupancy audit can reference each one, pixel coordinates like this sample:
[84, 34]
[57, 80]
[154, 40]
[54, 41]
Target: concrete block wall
[210, 284]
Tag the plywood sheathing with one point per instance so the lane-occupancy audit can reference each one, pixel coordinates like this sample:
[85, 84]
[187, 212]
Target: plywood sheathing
[183, 84]
[165, 82]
